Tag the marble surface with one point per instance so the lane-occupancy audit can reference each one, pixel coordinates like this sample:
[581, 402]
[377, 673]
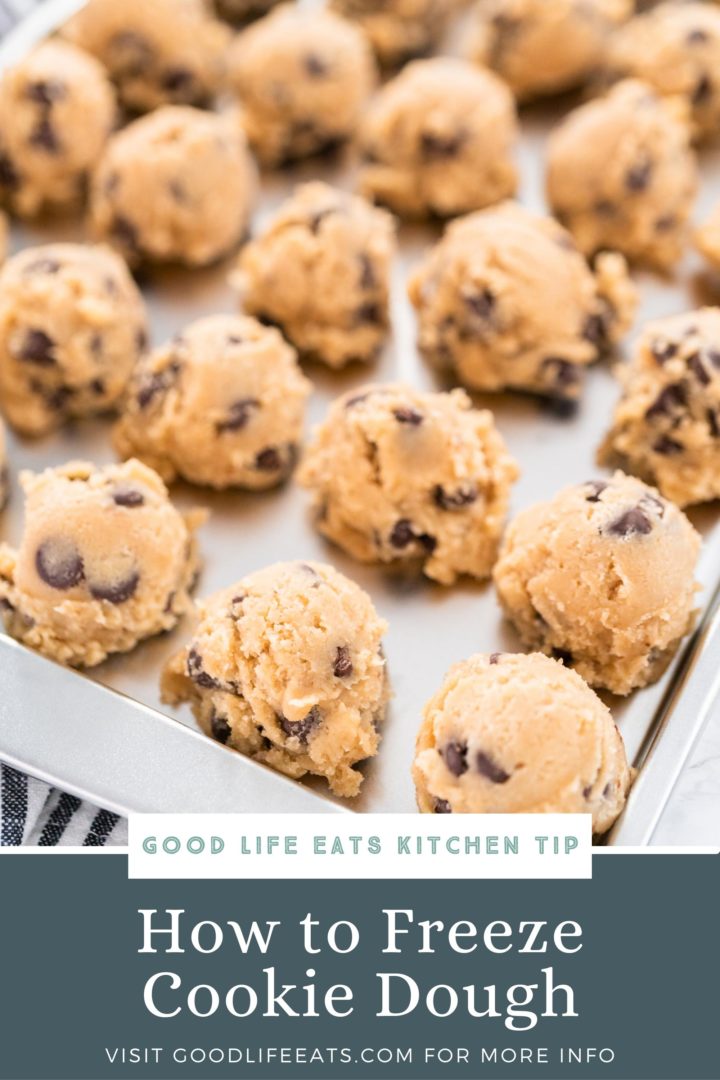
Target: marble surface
[694, 806]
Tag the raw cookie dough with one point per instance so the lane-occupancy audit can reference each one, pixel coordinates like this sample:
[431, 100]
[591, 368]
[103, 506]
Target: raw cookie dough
[621, 174]
[4, 477]
[601, 577]
[676, 48]
[303, 78]
[105, 561]
[163, 52]
[175, 186]
[400, 30]
[438, 140]
[707, 238]
[544, 48]
[398, 475]
[72, 325]
[238, 12]
[321, 271]
[506, 300]
[513, 734]
[221, 404]
[666, 427]
[57, 110]
[287, 667]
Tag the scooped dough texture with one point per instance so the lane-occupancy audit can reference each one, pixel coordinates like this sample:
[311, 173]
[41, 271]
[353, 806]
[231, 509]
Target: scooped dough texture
[105, 561]
[321, 271]
[222, 404]
[438, 140]
[303, 78]
[506, 300]
[543, 48]
[168, 52]
[513, 734]
[602, 578]
[57, 110]
[286, 666]
[72, 325]
[4, 477]
[622, 175]
[175, 186]
[400, 30]
[676, 48]
[666, 427]
[400, 475]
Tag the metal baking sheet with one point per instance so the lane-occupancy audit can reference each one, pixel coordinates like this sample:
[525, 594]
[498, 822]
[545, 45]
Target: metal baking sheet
[431, 627]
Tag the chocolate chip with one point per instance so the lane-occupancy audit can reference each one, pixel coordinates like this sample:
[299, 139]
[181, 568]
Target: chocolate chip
[595, 331]
[370, 313]
[58, 398]
[403, 535]
[652, 502]
[713, 356]
[116, 592]
[494, 657]
[587, 791]
[238, 415]
[197, 672]
[301, 729]
[666, 222]
[125, 233]
[442, 806]
[155, 383]
[44, 136]
[368, 280]
[605, 208]
[42, 266]
[454, 500]
[638, 177]
[490, 769]
[9, 177]
[455, 757]
[37, 348]
[129, 497]
[481, 304]
[564, 656]
[408, 415]
[703, 90]
[663, 351]
[315, 66]
[442, 146]
[698, 36]
[694, 362]
[713, 423]
[667, 446]
[356, 399]
[562, 373]
[219, 727]
[670, 398]
[596, 489]
[178, 80]
[59, 563]
[632, 523]
[268, 460]
[343, 666]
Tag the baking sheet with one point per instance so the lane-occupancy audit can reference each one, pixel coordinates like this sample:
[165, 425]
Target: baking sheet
[431, 627]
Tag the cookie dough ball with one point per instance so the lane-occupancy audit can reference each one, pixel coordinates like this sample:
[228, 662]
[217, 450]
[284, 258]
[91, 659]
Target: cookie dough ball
[158, 52]
[238, 12]
[512, 734]
[105, 560]
[400, 30]
[707, 238]
[4, 475]
[601, 577]
[622, 175]
[286, 666]
[438, 140]
[666, 427]
[72, 326]
[57, 110]
[542, 48]
[400, 476]
[303, 78]
[321, 271]
[175, 186]
[676, 48]
[222, 404]
[506, 300]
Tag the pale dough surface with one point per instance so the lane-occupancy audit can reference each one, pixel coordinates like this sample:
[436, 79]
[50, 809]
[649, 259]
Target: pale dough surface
[505, 300]
[438, 140]
[321, 272]
[621, 174]
[177, 185]
[222, 404]
[602, 577]
[397, 476]
[514, 734]
[105, 560]
[287, 667]
[666, 427]
[400, 30]
[303, 78]
[72, 325]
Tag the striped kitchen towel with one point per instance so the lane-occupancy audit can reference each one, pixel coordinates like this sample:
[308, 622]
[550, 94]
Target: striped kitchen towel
[31, 812]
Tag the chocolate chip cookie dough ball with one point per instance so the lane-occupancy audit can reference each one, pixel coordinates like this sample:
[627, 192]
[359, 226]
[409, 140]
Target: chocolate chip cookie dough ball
[666, 427]
[400, 30]
[621, 175]
[57, 110]
[286, 666]
[238, 12]
[512, 734]
[303, 78]
[438, 140]
[321, 271]
[601, 577]
[105, 560]
[158, 52]
[175, 186]
[398, 476]
[676, 48]
[4, 474]
[506, 300]
[72, 326]
[222, 404]
[542, 48]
